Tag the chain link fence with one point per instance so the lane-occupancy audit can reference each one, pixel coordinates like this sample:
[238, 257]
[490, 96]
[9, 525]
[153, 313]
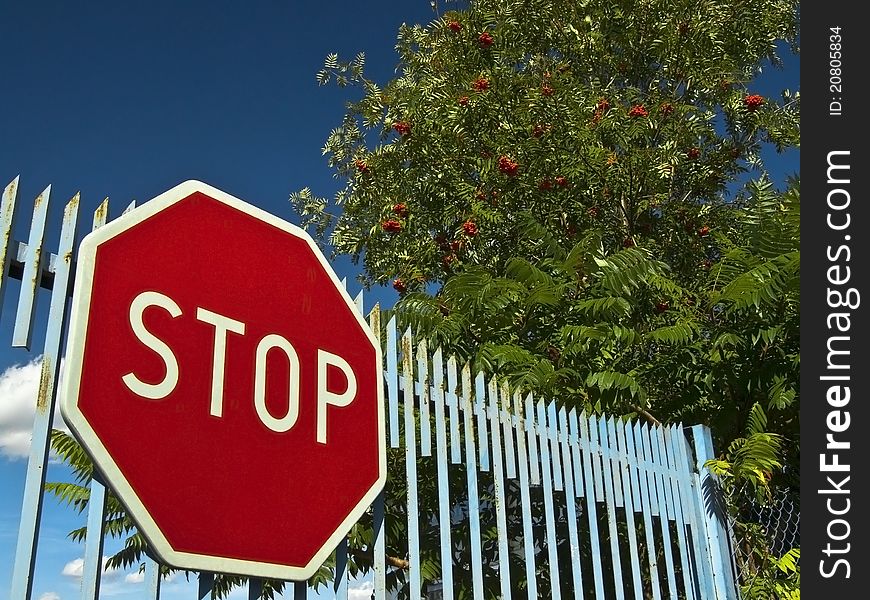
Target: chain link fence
[762, 531]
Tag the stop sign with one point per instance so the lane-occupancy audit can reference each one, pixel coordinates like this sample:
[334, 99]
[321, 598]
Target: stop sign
[224, 384]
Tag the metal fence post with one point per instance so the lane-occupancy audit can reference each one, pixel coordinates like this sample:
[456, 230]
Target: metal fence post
[714, 517]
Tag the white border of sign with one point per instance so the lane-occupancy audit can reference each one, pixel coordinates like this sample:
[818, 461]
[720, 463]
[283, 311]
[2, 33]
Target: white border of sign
[84, 432]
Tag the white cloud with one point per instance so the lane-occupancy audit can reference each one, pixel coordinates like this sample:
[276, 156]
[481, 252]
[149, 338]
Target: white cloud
[75, 568]
[50, 596]
[135, 577]
[360, 592]
[19, 385]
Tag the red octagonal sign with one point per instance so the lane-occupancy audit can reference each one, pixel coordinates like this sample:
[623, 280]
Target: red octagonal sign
[224, 384]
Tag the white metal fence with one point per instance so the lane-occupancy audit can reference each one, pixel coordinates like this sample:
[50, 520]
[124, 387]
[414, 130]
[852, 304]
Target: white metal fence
[501, 494]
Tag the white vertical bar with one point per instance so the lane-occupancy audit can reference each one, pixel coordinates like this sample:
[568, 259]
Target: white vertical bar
[592, 478]
[616, 559]
[358, 302]
[31, 510]
[453, 404]
[532, 436]
[508, 425]
[617, 436]
[414, 581]
[554, 447]
[647, 489]
[378, 512]
[423, 378]
[614, 462]
[574, 445]
[678, 511]
[482, 420]
[523, 426]
[92, 565]
[703, 568]
[443, 477]
[392, 375]
[7, 226]
[571, 506]
[549, 512]
[22, 334]
[471, 478]
[665, 512]
[499, 483]
[152, 579]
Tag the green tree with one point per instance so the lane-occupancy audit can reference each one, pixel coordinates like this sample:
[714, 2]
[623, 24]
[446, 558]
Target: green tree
[559, 192]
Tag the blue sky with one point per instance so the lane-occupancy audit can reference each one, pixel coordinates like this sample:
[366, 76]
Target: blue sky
[125, 100]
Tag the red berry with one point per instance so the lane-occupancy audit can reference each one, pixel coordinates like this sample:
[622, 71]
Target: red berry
[545, 184]
[547, 90]
[704, 231]
[399, 285]
[361, 166]
[391, 226]
[638, 110]
[469, 228]
[666, 108]
[753, 102]
[402, 127]
[627, 243]
[507, 166]
[661, 307]
[481, 84]
[480, 195]
[456, 245]
[561, 181]
[539, 130]
[693, 153]
[603, 105]
[401, 210]
[463, 100]
[593, 212]
[455, 26]
[485, 39]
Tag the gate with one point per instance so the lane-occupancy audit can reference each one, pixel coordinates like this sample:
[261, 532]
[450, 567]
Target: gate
[493, 492]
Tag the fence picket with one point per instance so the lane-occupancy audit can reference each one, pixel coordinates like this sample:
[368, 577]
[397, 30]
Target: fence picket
[31, 509]
[452, 399]
[482, 412]
[507, 422]
[499, 483]
[549, 512]
[571, 507]
[22, 333]
[664, 512]
[592, 482]
[443, 481]
[392, 382]
[95, 531]
[8, 247]
[524, 426]
[414, 579]
[635, 442]
[379, 549]
[471, 479]
[423, 388]
[678, 511]
[617, 432]
[615, 559]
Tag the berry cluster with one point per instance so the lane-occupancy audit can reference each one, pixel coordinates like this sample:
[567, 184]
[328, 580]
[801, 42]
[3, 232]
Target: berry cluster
[481, 84]
[507, 166]
[401, 210]
[485, 39]
[402, 127]
[638, 110]
[753, 102]
[455, 26]
[391, 226]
